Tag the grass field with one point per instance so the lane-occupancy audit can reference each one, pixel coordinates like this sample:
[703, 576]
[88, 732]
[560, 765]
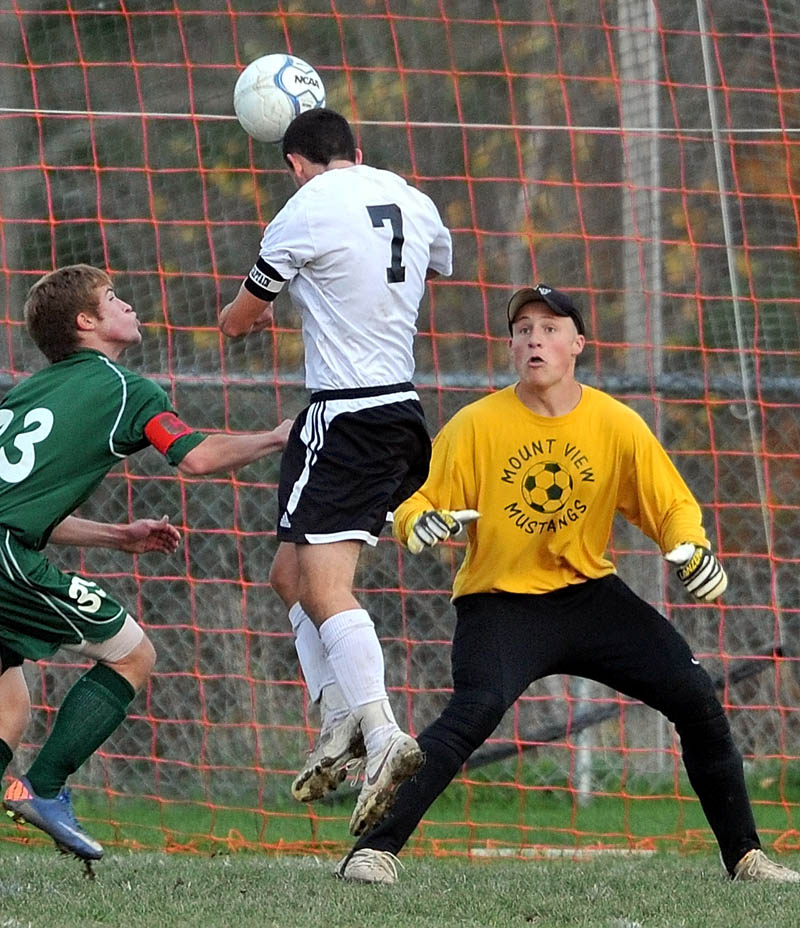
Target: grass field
[39, 889]
[680, 885]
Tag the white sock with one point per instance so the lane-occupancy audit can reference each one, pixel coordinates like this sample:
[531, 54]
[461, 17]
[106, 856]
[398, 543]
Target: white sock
[378, 724]
[355, 655]
[332, 705]
[317, 671]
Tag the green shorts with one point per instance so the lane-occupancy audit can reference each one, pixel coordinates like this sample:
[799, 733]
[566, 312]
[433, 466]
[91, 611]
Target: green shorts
[43, 609]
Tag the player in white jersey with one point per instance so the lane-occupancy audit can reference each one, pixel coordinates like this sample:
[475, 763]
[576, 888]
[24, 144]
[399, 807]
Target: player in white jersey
[354, 246]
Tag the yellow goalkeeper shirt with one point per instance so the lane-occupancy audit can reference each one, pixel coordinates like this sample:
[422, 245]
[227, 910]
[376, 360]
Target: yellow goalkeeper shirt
[547, 489]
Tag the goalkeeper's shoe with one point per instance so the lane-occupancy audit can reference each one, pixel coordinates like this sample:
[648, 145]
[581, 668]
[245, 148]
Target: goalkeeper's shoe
[326, 765]
[755, 866]
[398, 760]
[53, 816]
[368, 865]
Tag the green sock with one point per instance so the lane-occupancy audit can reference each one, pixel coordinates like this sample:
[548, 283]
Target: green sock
[5, 757]
[90, 712]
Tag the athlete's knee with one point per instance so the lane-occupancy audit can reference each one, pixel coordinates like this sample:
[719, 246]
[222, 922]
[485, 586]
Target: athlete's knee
[15, 706]
[468, 720]
[693, 707]
[283, 575]
[146, 656]
[689, 700]
[283, 585]
[322, 600]
[137, 666]
[703, 726]
[325, 578]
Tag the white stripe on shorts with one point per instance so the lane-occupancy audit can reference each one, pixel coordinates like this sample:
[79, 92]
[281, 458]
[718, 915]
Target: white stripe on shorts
[355, 534]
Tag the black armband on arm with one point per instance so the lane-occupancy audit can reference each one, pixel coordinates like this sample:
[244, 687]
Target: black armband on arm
[263, 281]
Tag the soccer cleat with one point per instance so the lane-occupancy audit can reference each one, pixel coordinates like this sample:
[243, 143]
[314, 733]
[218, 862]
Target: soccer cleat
[326, 765]
[399, 760]
[755, 866]
[368, 866]
[55, 817]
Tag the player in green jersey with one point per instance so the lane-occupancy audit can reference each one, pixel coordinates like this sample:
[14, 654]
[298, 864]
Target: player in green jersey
[61, 431]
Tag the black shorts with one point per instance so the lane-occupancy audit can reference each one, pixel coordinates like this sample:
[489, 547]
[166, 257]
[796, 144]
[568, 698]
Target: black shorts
[352, 457]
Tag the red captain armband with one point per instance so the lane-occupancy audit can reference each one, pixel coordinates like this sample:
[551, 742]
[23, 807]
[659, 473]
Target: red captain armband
[163, 430]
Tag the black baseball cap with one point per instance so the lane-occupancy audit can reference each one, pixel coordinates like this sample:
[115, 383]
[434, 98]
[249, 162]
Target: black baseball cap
[559, 302]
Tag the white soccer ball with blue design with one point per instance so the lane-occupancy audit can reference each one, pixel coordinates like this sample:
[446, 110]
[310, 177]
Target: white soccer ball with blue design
[271, 91]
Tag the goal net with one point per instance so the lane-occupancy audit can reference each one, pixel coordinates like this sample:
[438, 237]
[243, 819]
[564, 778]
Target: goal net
[644, 157]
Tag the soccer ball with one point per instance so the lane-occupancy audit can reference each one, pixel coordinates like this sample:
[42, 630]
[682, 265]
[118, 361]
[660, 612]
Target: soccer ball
[547, 487]
[271, 91]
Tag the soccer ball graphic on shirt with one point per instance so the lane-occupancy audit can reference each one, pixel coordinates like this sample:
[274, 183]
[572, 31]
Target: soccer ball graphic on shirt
[271, 91]
[547, 487]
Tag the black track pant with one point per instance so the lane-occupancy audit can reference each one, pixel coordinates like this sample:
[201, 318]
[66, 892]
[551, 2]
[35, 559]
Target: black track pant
[600, 630]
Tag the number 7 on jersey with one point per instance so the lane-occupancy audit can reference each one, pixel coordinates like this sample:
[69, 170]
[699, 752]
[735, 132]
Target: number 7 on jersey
[390, 212]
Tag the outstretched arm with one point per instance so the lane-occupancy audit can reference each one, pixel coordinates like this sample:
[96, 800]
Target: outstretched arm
[136, 537]
[224, 451]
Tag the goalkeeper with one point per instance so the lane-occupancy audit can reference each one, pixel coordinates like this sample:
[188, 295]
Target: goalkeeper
[547, 462]
[61, 431]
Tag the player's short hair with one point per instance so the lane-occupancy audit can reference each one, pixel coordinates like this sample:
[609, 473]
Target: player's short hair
[53, 304]
[321, 135]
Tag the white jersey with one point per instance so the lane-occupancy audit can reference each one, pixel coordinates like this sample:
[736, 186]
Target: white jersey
[355, 244]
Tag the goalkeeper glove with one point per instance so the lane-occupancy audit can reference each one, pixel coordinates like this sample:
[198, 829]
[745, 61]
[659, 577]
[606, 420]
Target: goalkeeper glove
[699, 571]
[435, 525]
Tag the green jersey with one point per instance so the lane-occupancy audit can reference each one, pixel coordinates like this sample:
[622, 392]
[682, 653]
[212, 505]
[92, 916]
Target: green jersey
[63, 429]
